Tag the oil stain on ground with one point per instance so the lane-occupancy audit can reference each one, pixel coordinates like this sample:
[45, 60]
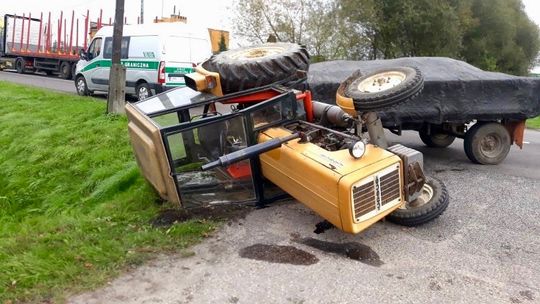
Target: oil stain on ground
[351, 250]
[278, 254]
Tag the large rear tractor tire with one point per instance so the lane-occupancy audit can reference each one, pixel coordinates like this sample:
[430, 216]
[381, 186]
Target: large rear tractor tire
[487, 143]
[428, 206]
[256, 66]
[436, 139]
[383, 89]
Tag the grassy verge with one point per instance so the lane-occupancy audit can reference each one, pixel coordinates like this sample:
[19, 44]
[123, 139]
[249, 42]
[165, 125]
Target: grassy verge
[534, 123]
[74, 210]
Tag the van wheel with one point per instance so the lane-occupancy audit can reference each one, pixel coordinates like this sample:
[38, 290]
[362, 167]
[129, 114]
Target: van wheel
[428, 206]
[256, 66]
[65, 70]
[20, 65]
[80, 85]
[143, 91]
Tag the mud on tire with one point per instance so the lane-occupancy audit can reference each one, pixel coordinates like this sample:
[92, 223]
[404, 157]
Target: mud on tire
[417, 212]
[383, 88]
[256, 66]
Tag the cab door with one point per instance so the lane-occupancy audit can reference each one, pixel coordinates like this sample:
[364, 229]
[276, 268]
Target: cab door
[94, 69]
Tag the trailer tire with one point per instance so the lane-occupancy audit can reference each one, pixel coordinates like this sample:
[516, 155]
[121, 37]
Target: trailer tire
[487, 143]
[20, 65]
[383, 88]
[81, 86]
[65, 70]
[256, 66]
[430, 205]
[435, 139]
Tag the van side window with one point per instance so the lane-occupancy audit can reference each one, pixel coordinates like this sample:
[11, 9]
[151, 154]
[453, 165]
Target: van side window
[107, 48]
[94, 49]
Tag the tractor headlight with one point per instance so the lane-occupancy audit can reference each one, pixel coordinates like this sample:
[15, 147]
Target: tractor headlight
[357, 149]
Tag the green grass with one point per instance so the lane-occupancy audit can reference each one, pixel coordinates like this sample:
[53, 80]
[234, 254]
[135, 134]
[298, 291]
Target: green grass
[534, 123]
[74, 209]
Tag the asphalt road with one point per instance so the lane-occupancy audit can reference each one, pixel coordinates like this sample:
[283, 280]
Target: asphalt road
[484, 249]
[39, 80]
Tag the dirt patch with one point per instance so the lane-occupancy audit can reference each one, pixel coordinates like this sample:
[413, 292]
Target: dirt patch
[219, 212]
[278, 254]
[351, 250]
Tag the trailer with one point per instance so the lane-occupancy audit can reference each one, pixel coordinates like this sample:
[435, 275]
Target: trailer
[29, 44]
[455, 96]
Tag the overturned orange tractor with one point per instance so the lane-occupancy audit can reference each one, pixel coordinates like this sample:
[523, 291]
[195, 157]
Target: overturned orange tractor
[245, 123]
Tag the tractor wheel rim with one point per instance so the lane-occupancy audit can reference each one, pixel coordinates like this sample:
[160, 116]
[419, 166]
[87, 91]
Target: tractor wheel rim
[255, 53]
[80, 85]
[143, 93]
[425, 196]
[381, 82]
[491, 145]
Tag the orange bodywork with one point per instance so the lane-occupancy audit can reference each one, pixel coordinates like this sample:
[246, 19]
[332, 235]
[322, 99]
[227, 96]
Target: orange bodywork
[323, 180]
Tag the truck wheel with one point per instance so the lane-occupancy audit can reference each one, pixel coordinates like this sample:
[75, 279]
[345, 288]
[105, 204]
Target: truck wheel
[487, 143]
[256, 66]
[383, 88]
[65, 70]
[80, 85]
[73, 70]
[428, 206]
[143, 91]
[20, 65]
[436, 139]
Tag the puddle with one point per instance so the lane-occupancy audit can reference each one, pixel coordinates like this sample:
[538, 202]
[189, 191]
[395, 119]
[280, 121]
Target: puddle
[351, 250]
[278, 254]
[219, 212]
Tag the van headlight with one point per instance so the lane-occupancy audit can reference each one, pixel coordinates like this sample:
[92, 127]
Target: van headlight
[357, 149]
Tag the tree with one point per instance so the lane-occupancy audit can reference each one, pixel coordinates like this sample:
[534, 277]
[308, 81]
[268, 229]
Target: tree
[396, 28]
[502, 38]
[222, 43]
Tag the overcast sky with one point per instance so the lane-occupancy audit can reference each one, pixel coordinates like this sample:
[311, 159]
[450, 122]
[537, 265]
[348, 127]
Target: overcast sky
[207, 13]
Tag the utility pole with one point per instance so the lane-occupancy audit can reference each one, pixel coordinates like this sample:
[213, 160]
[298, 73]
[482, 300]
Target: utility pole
[117, 77]
[142, 11]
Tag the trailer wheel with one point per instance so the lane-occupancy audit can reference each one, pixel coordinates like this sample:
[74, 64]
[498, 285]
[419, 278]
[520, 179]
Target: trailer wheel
[65, 70]
[428, 206]
[256, 66]
[487, 143]
[20, 65]
[383, 88]
[81, 86]
[436, 139]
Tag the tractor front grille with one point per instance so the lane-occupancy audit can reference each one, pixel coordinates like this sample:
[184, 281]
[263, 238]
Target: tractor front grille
[376, 193]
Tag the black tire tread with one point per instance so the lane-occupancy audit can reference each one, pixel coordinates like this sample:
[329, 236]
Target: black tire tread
[421, 216]
[468, 141]
[428, 140]
[238, 75]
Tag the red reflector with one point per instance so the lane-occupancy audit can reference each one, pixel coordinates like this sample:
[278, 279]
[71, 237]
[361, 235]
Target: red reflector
[161, 72]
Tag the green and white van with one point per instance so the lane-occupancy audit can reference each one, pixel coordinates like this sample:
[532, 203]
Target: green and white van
[156, 57]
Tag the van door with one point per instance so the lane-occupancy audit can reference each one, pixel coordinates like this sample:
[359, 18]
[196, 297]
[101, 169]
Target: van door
[103, 74]
[178, 60]
[95, 66]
